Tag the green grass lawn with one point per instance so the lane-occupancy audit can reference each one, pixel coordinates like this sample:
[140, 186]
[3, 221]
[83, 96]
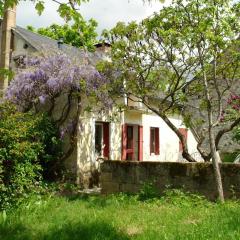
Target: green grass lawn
[121, 217]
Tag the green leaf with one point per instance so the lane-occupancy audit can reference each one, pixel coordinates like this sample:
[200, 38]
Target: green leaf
[6, 73]
[39, 7]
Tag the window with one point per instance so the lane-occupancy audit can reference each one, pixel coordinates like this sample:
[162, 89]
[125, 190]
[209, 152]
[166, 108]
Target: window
[98, 138]
[102, 139]
[129, 143]
[154, 140]
[183, 131]
[132, 142]
[129, 137]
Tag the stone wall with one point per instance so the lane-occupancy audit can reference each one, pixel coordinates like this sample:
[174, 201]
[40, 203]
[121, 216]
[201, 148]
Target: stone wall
[123, 176]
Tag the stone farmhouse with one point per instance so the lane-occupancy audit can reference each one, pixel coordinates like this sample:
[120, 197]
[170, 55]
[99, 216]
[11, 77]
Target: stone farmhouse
[136, 134]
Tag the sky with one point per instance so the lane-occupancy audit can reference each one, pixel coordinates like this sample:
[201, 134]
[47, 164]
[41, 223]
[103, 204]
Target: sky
[106, 12]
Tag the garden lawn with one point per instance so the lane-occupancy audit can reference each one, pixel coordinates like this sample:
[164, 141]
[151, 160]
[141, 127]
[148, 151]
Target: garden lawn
[121, 217]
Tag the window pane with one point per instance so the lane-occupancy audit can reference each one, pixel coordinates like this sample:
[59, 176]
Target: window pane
[129, 137]
[152, 140]
[98, 139]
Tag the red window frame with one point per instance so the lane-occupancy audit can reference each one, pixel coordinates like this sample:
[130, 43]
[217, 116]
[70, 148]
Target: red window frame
[154, 141]
[140, 143]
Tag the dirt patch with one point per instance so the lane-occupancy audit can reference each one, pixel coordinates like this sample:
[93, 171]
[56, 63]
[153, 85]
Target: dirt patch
[133, 231]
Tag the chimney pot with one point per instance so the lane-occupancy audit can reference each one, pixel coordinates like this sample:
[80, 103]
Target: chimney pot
[60, 43]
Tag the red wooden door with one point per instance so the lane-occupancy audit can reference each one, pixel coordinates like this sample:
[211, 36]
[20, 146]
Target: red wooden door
[127, 142]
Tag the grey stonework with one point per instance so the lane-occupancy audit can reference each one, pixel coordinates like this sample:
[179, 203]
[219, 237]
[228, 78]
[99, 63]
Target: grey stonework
[123, 176]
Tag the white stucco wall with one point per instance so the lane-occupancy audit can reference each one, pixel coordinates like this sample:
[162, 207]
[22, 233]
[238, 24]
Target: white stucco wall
[85, 141]
[115, 140]
[168, 141]
[19, 46]
[86, 156]
[19, 50]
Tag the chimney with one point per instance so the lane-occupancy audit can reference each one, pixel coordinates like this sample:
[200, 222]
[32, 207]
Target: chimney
[60, 43]
[8, 22]
[103, 47]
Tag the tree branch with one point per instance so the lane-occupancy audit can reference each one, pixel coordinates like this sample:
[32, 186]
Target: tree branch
[226, 130]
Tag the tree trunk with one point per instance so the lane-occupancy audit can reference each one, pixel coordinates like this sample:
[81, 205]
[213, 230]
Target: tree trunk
[214, 154]
[215, 162]
[9, 22]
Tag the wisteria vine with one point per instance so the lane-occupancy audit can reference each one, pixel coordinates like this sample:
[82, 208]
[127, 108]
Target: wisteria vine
[42, 80]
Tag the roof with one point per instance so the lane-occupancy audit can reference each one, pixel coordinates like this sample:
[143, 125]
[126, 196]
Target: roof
[43, 43]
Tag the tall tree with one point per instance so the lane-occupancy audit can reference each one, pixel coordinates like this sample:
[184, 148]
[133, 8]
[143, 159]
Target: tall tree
[80, 34]
[184, 59]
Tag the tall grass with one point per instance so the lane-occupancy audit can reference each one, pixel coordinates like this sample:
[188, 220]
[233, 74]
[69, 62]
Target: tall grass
[176, 216]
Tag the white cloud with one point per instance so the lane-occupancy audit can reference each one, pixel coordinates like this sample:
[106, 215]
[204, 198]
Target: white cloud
[107, 12]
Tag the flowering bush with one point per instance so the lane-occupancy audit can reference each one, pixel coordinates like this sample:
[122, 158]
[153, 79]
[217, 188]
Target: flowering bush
[234, 102]
[232, 110]
[28, 143]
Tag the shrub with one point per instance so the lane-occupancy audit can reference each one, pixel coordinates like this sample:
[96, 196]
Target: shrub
[181, 198]
[148, 191]
[28, 144]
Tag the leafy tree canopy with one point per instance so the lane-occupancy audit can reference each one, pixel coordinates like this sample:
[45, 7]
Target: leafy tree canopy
[168, 56]
[81, 34]
[66, 9]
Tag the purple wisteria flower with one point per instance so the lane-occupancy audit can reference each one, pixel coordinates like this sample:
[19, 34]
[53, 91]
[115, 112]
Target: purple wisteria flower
[47, 77]
[42, 99]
